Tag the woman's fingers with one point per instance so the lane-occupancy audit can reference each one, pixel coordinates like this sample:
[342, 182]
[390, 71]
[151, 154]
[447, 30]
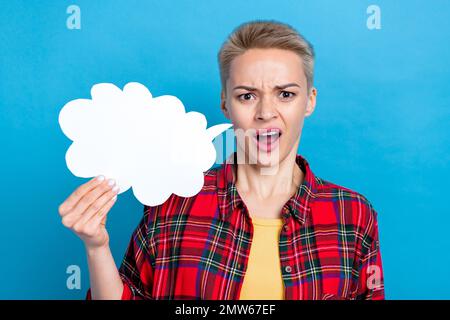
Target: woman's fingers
[66, 207]
[91, 201]
[98, 205]
[92, 196]
[100, 217]
[87, 207]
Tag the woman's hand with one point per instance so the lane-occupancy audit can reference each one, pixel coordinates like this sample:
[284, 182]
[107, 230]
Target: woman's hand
[85, 211]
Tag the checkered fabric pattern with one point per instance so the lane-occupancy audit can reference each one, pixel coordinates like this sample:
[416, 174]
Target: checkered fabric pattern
[198, 247]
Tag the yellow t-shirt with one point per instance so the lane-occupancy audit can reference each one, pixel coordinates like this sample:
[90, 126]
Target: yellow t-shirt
[262, 280]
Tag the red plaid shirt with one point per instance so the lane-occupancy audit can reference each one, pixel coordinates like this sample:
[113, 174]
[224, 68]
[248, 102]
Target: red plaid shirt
[198, 247]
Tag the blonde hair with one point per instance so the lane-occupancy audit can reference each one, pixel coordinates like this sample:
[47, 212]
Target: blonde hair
[265, 34]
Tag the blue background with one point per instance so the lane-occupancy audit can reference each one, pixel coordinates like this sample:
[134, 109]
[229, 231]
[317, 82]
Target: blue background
[380, 125]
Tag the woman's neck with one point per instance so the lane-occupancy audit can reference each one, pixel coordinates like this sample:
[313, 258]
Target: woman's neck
[285, 181]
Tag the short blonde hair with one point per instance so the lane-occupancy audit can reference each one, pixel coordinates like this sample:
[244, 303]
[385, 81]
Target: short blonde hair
[265, 34]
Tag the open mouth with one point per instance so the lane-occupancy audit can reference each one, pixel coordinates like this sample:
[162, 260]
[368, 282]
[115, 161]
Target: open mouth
[267, 139]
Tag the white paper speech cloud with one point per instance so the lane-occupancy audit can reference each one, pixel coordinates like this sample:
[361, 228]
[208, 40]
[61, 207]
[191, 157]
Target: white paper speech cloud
[149, 144]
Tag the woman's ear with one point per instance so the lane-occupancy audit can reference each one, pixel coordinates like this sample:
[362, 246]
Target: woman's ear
[223, 105]
[311, 104]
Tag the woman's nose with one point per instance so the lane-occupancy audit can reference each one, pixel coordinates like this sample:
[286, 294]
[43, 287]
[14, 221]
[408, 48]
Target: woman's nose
[266, 110]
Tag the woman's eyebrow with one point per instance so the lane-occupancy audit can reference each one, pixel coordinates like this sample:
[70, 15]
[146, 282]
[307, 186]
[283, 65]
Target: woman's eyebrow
[284, 86]
[279, 87]
[245, 88]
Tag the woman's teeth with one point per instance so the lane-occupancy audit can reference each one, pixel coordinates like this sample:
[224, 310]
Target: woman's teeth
[271, 135]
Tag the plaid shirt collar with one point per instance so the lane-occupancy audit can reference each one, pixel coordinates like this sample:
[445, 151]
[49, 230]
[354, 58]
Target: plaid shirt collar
[299, 205]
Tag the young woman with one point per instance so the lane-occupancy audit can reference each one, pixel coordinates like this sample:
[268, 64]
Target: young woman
[263, 226]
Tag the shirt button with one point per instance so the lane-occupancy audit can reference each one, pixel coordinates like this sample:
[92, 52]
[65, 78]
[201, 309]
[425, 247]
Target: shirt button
[288, 269]
[286, 228]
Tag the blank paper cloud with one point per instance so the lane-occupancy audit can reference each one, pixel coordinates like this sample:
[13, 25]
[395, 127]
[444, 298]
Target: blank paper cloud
[148, 143]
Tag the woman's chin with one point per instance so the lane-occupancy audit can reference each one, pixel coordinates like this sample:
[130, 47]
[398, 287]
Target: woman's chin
[259, 157]
[266, 159]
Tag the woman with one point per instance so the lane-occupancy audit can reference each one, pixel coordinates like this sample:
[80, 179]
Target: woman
[263, 226]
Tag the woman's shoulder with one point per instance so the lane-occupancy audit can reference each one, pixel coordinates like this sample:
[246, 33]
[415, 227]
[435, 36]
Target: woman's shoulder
[326, 187]
[176, 204]
[211, 175]
[347, 200]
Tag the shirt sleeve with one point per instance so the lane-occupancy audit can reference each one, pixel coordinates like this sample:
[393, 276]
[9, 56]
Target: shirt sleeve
[371, 279]
[136, 270]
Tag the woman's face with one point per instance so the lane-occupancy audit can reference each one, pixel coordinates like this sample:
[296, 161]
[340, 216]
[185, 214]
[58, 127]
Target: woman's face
[266, 99]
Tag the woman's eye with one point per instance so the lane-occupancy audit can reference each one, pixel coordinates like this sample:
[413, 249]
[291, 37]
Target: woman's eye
[245, 96]
[287, 94]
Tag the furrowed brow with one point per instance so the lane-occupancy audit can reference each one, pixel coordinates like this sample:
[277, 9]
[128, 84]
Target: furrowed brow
[245, 88]
[279, 87]
[284, 86]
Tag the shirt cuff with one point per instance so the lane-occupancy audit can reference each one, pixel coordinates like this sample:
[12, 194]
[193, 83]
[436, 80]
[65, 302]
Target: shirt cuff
[127, 294]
